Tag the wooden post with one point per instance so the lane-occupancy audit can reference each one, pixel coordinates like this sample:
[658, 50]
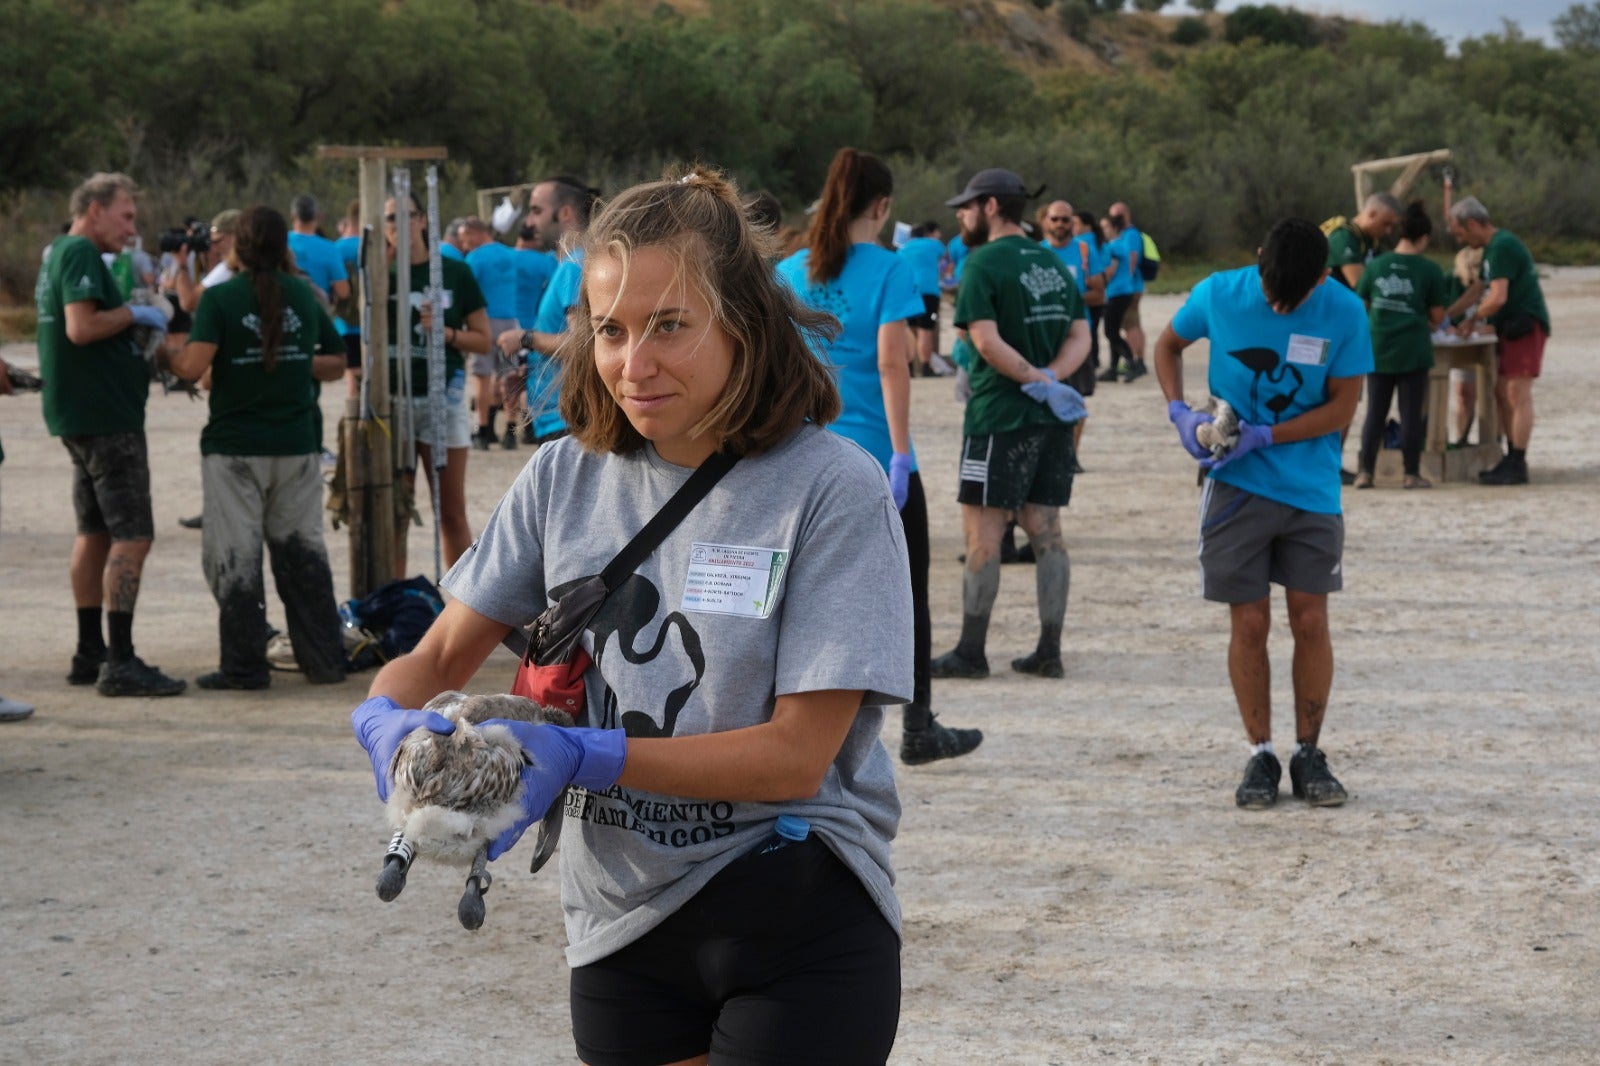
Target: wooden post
[486, 197]
[1410, 166]
[368, 435]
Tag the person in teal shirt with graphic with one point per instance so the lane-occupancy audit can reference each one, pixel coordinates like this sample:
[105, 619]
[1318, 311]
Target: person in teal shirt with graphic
[1288, 354]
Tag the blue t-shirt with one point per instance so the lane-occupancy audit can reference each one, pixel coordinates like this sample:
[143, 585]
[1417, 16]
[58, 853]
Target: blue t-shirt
[1271, 368]
[533, 275]
[494, 265]
[349, 249]
[1068, 254]
[957, 251]
[922, 254]
[319, 259]
[1121, 251]
[544, 394]
[450, 251]
[874, 288]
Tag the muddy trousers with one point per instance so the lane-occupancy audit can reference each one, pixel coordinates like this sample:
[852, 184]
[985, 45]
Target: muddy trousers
[276, 501]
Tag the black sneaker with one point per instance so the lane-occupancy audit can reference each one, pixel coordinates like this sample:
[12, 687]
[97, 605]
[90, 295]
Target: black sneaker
[954, 664]
[1509, 472]
[85, 668]
[1033, 663]
[1312, 782]
[1023, 554]
[526, 436]
[193, 521]
[137, 678]
[484, 439]
[919, 746]
[1347, 477]
[508, 439]
[1259, 789]
[218, 680]
[1136, 371]
[1108, 374]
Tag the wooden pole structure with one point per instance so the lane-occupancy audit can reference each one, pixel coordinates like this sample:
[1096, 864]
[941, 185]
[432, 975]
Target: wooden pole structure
[1410, 166]
[367, 434]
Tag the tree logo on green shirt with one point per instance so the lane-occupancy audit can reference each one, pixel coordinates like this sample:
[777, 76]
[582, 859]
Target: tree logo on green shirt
[1041, 281]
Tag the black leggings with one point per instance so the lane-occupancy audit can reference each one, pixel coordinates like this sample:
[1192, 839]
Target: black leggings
[914, 517]
[1121, 351]
[1094, 336]
[1381, 388]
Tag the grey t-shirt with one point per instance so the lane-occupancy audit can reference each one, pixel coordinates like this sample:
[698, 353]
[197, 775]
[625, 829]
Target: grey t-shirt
[837, 615]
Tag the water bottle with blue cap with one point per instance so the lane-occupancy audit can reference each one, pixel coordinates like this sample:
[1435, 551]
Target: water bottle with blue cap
[791, 829]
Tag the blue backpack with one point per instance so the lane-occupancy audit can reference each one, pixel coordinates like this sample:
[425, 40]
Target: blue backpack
[389, 621]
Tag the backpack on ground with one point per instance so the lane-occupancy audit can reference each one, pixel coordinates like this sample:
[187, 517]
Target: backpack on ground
[389, 621]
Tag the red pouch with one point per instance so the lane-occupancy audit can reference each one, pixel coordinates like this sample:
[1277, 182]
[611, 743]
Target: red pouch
[552, 666]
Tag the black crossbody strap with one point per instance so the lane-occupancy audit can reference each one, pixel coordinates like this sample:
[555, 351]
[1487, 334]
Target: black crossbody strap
[637, 550]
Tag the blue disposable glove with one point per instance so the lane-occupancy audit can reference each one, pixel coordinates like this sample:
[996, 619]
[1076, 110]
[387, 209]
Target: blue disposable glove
[1250, 438]
[558, 757]
[145, 315]
[1188, 422]
[899, 479]
[1064, 401]
[381, 725]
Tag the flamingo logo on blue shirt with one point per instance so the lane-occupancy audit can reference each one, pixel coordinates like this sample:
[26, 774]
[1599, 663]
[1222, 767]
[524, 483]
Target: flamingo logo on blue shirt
[1263, 363]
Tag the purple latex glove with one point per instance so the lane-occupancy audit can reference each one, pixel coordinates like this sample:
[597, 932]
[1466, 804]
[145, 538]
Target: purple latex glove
[1188, 422]
[1250, 438]
[380, 725]
[558, 757]
[899, 479]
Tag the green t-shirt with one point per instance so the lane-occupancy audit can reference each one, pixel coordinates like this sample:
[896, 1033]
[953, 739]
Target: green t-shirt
[1400, 290]
[256, 411]
[92, 389]
[1506, 257]
[1347, 246]
[1032, 300]
[461, 297]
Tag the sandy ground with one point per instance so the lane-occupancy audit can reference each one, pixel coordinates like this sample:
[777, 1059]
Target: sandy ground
[190, 880]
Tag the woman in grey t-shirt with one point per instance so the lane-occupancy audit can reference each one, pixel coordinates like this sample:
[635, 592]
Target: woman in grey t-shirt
[738, 674]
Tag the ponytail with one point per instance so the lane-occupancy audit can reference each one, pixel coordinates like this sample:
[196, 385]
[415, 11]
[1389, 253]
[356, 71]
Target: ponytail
[855, 180]
[261, 246]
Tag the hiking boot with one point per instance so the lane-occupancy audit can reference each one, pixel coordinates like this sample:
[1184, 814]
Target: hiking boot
[217, 680]
[919, 746]
[1308, 773]
[1259, 789]
[85, 668]
[137, 678]
[954, 664]
[1509, 472]
[1039, 666]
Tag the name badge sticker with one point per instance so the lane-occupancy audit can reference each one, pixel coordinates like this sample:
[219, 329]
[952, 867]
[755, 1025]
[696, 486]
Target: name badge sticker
[732, 579]
[1308, 351]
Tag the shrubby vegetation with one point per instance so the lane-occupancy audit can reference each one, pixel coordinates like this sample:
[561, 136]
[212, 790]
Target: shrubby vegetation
[222, 103]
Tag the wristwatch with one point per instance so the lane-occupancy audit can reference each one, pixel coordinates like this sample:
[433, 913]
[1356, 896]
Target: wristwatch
[526, 340]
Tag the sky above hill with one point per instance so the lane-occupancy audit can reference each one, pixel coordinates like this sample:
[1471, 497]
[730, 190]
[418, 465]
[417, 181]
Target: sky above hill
[1450, 19]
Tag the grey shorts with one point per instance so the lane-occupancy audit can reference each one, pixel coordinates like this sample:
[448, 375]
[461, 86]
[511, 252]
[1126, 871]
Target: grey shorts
[1028, 465]
[111, 485]
[488, 364]
[1249, 543]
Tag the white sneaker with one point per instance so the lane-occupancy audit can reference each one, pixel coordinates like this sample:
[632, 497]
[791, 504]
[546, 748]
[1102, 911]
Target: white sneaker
[12, 711]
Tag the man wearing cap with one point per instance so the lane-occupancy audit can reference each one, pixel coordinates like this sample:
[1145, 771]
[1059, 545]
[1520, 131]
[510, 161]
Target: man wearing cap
[95, 388]
[1026, 320]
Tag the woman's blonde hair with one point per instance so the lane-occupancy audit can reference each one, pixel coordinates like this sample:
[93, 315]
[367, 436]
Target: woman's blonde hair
[777, 381]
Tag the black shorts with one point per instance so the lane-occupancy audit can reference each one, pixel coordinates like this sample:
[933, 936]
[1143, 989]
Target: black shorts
[111, 485]
[1082, 378]
[929, 319]
[352, 351]
[781, 958]
[1028, 465]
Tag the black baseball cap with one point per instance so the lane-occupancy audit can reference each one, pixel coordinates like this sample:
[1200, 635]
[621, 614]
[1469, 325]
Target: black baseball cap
[992, 182]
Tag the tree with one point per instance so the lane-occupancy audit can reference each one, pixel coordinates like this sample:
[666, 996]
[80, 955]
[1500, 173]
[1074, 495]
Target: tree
[1151, 6]
[1190, 31]
[1578, 28]
[1270, 24]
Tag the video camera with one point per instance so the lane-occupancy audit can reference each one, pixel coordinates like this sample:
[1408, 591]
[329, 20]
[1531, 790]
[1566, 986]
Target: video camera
[193, 235]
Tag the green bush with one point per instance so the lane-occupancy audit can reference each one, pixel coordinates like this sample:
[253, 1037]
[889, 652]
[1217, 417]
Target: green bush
[1269, 24]
[1190, 31]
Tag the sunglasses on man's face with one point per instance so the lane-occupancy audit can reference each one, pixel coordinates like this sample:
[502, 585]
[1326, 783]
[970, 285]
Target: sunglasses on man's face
[1058, 218]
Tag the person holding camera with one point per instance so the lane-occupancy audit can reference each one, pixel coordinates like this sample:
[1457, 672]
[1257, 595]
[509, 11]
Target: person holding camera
[95, 388]
[212, 262]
